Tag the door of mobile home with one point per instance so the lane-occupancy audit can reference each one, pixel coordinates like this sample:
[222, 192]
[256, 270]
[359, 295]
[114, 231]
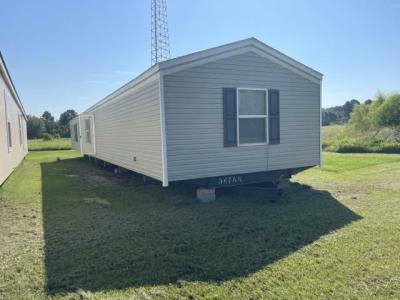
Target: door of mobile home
[88, 139]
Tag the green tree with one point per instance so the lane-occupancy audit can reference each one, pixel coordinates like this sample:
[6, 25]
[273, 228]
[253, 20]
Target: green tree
[348, 107]
[338, 114]
[329, 116]
[363, 118]
[360, 119]
[368, 102]
[50, 124]
[388, 113]
[63, 122]
[35, 127]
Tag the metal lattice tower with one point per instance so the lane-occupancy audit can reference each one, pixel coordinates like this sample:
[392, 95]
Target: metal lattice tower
[159, 31]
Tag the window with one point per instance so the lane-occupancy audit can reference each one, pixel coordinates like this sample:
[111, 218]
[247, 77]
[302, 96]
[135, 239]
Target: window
[9, 135]
[252, 116]
[7, 107]
[76, 132]
[20, 129]
[87, 131]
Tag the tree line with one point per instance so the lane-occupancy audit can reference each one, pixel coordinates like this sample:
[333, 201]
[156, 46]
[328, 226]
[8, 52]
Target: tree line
[340, 114]
[370, 117]
[382, 112]
[46, 126]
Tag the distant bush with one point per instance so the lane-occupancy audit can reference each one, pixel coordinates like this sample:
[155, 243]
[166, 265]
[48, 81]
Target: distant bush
[383, 112]
[368, 148]
[345, 139]
[373, 127]
[47, 137]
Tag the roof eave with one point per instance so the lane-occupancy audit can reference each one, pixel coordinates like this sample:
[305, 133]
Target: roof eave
[175, 64]
[140, 78]
[7, 77]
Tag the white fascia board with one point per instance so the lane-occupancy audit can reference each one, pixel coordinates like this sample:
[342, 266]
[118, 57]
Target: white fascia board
[201, 57]
[290, 67]
[142, 77]
[287, 59]
[203, 53]
[204, 60]
[248, 45]
[9, 83]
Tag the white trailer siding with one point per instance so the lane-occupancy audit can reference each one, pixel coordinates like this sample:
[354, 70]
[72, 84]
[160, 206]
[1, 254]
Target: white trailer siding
[168, 122]
[194, 119]
[12, 112]
[127, 128]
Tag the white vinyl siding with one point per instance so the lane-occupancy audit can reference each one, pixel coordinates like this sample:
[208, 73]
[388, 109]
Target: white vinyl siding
[128, 130]
[194, 119]
[11, 120]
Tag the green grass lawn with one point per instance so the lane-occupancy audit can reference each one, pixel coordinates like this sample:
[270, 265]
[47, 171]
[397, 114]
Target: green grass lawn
[71, 230]
[54, 144]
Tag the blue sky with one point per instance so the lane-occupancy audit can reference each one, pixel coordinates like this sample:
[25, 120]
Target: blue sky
[71, 53]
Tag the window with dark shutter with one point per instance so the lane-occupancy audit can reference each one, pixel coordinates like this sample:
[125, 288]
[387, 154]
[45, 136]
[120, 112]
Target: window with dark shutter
[230, 121]
[273, 116]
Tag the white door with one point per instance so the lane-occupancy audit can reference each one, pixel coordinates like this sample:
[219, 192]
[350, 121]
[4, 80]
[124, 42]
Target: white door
[88, 138]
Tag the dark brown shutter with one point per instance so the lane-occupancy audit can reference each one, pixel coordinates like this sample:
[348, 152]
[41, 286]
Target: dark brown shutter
[230, 112]
[273, 117]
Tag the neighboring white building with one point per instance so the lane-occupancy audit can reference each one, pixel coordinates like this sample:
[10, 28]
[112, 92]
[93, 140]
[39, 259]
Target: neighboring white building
[239, 113]
[13, 134]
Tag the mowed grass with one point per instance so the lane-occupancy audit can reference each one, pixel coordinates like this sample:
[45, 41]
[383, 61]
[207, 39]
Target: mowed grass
[54, 144]
[71, 230]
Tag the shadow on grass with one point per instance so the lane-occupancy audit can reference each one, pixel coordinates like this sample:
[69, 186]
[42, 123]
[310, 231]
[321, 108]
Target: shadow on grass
[103, 232]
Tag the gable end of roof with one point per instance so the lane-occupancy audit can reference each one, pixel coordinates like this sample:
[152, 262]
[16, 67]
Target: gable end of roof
[248, 45]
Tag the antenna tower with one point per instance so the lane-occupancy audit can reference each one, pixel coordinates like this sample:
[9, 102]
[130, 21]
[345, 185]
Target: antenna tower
[159, 32]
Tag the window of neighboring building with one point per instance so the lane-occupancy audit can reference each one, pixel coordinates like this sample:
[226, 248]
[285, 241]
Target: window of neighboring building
[20, 129]
[252, 116]
[7, 108]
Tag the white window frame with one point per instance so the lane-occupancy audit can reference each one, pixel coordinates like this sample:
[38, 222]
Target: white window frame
[7, 118]
[20, 129]
[238, 116]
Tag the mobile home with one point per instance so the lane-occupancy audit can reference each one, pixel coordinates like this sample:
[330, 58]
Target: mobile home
[13, 134]
[234, 114]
